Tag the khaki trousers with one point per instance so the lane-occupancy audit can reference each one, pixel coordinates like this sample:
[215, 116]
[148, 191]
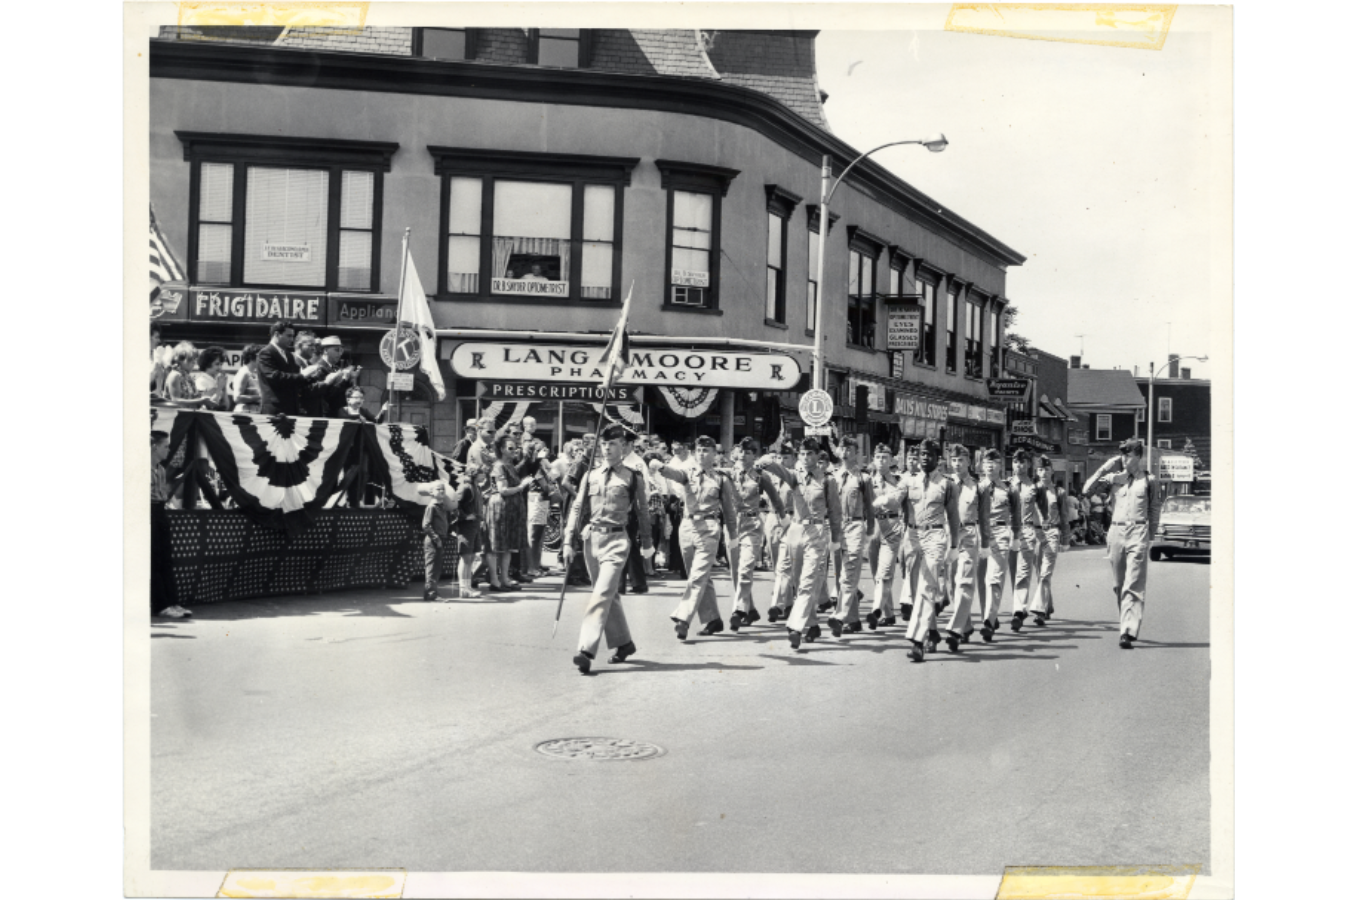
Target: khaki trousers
[783, 588]
[744, 558]
[933, 544]
[854, 554]
[963, 591]
[698, 539]
[996, 571]
[1128, 546]
[1049, 556]
[892, 537]
[605, 557]
[1026, 583]
[808, 546]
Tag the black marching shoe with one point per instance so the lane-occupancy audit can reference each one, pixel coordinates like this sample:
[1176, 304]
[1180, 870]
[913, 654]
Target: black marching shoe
[736, 621]
[916, 652]
[887, 620]
[986, 632]
[905, 612]
[965, 638]
[625, 650]
[1127, 642]
[853, 627]
[836, 627]
[826, 606]
[774, 615]
[873, 619]
[812, 634]
[1017, 619]
[680, 629]
[952, 643]
[1039, 620]
[715, 626]
[752, 616]
[933, 640]
[794, 637]
[583, 660]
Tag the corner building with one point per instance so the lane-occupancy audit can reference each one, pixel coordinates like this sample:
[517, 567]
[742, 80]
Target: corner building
[542, 173]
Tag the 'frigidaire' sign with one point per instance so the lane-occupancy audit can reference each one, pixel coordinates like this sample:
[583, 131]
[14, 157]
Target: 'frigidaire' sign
[244, 305]
[683, 368]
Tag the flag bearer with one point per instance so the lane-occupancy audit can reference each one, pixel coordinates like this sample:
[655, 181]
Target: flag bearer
[972, 505]
[1133, 521]
[748, 483]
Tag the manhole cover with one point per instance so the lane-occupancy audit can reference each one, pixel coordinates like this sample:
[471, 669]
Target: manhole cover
[599, 749]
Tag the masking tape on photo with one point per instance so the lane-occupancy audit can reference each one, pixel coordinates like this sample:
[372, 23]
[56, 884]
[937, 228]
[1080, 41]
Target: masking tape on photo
[1142, 27]
[373, 883]
[1121, 882]
[331, 18]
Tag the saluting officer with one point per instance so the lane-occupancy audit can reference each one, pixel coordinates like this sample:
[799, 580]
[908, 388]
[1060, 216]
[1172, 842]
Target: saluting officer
[1133, 522]
[972, 505]
[1056, 537]
[748, 484]
[1003, 512]
[891, 525]
[818, 518]
[1029, 536]
[708, 497]
[598, 517]
[859, 523]
[934, 513]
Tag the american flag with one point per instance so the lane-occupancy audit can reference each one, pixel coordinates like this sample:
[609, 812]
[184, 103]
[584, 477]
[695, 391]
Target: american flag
[164, 267]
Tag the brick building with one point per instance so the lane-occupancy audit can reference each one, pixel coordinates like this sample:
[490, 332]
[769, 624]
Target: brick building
[541, 173]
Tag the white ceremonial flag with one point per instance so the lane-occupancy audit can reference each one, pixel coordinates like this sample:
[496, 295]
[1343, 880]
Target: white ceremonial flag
[414, 312]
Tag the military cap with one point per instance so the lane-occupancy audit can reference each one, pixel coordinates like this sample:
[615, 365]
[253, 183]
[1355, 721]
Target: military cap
[1132, 446]
[705, 441]
[615, 433]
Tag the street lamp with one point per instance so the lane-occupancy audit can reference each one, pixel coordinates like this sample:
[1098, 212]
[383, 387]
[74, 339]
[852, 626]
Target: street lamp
[1153, 413]
[827, 185]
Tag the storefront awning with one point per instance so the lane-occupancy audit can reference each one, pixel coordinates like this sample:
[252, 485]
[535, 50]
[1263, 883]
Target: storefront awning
[1048, 411]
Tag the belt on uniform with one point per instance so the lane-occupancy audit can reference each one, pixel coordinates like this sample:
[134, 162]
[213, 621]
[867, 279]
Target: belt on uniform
[608, 529]
[999, 525]
[928, 527]
[1135, 522]
[749, 515]
[811, 521]
[702, 517]
[887, 515]
[969, 524]
[855, 518]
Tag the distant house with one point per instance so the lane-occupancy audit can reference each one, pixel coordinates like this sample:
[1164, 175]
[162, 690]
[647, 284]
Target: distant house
[1181, 412]
[1114, 406]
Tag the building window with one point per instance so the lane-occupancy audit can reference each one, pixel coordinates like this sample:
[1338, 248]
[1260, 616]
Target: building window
[1103, 426]
[952, 323]
[1164, 443]
[562, 48]
[927, 353]
[974, 344]
[780, 204]
[995, 342]
[1139, 414]
[444, 43]
[861, 312]
[1165, 409]
[812, 282]
[540, 227]
[273, 212]
[693, 247]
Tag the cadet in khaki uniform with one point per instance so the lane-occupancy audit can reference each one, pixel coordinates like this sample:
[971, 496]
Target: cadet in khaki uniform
[911, 549]
[1134, 520]
[1029, 537]
[1056, 538]
[748, 483]
[783, 588]
[598, 516]
[859, 524]
[1003, 512]
[817, 519]
[708, 496]
[891, 524]
[972, 505]
[932, 499]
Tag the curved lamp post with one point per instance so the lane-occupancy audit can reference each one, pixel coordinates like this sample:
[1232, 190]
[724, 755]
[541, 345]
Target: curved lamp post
[1152, 412]
[827, 185]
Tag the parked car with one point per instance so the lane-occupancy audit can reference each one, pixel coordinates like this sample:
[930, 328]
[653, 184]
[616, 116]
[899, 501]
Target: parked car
[1183, 528]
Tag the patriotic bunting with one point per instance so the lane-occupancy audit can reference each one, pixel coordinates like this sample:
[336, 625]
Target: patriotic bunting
[689, 402]
[411, 462]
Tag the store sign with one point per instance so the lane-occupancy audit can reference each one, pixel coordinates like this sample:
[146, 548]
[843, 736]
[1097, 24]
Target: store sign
[400, 348]
[1078, 436]
[362, 311]
[994, 416]
[169, 303]
[678, 368]
[917, 407]
[904, 329]
[400, 381]
[275, 251]
[1009, 390]
[256, 307]
[1176, 468]
[554, 391]
[816, 407]
[1024, 426]
[689, 278]
[1031, 442]
[529, 287]
[977, 413]
[955, 410]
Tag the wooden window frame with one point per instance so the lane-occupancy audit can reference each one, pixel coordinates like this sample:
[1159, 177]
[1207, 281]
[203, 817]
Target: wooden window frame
[585, 48]
[694, 178]
[926, 354]
[867, 246]
[1097, 425]
[780, 203]
[812, 227]
[244, 151]
[417, 42]
[491, 166]
[1161, 401]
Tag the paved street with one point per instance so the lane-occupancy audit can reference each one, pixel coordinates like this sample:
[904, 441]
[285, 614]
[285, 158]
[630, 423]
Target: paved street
[368, 729]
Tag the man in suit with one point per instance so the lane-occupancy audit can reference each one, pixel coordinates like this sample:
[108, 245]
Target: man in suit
[331, 398]
[282, 383]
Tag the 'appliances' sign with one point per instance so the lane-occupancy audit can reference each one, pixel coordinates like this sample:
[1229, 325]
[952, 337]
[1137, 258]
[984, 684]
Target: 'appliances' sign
[681, 368]
[242, 305]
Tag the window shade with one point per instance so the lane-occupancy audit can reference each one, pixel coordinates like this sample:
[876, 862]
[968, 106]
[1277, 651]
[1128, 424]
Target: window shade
[286, 207]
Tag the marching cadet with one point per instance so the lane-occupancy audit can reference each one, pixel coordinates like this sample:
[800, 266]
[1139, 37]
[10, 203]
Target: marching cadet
[748, 484]
[972, 506]
[783, 588]
[1003, 512]
[1134, 520]
[708, 497]
[815, 508]
[912, 550]
[1056, 537]
[891, 525]
[859, 523]
[598, 518]
[933, 511]
[1029, 537]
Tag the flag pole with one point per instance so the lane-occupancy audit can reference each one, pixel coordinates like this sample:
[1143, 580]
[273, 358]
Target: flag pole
[400, 300]
[588, 466]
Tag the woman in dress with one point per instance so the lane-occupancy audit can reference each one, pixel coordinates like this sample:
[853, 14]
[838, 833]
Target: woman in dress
[245, 385]
[179, 387]
[209, 380]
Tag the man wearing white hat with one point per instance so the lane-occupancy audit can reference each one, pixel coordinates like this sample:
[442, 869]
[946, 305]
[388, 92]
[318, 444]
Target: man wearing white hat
[332, 395]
